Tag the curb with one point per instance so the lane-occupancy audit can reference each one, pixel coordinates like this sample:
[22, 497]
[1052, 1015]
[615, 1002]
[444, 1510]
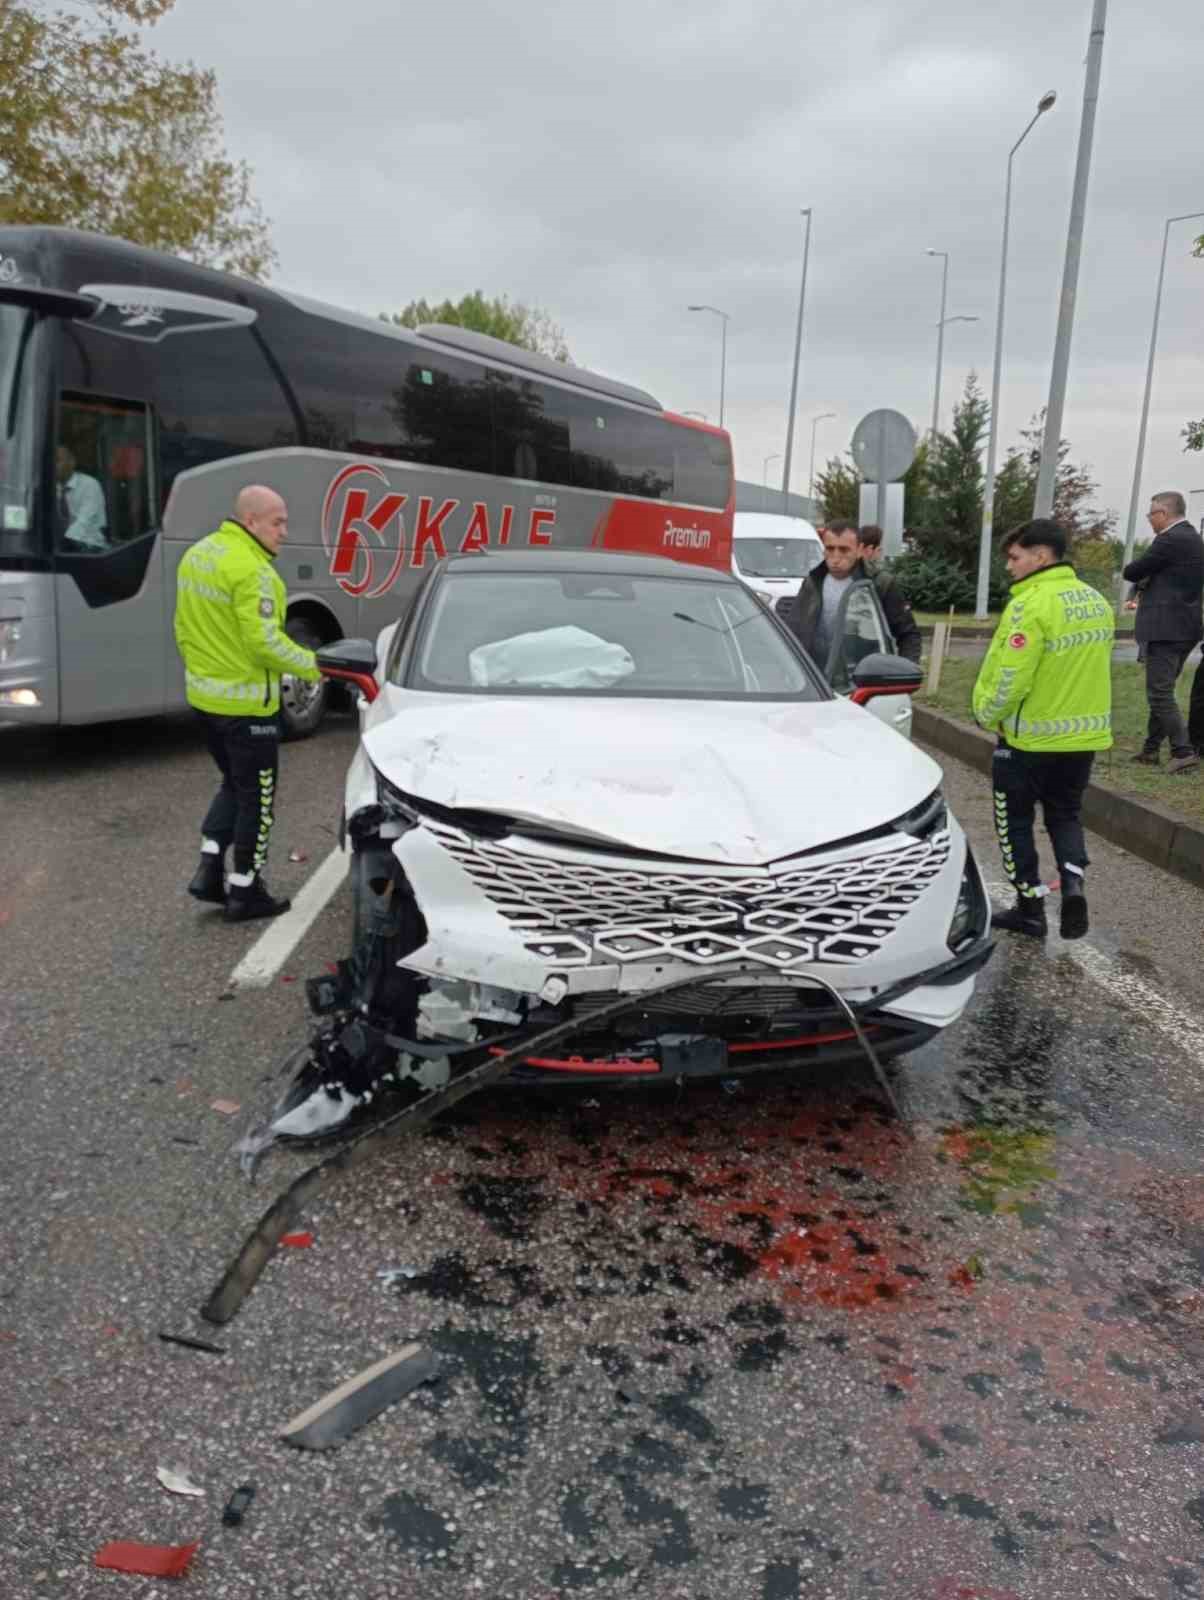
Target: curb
[1142, 827]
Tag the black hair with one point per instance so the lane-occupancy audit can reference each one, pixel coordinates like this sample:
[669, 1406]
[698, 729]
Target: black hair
[842, 525]
[1040, 531]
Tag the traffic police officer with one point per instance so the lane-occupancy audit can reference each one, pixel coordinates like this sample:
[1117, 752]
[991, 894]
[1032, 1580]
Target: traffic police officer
[1045, 690]
[229, 627]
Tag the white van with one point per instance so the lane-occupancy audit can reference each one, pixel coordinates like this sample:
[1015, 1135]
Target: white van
[772, 554]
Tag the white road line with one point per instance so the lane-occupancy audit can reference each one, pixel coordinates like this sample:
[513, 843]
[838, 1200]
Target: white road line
[1153, 1007]
[282, 936]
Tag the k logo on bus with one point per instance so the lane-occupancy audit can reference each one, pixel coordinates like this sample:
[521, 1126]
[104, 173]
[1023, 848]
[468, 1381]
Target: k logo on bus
[368, 543]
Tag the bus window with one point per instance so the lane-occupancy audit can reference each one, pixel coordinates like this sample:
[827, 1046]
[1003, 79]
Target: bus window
[702, 468]
[531, 429]
[102, 473]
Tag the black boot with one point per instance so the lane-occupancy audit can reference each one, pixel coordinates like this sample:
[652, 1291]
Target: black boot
[207, 881]
[1074, 906]
[1026, 916]
[245, 901]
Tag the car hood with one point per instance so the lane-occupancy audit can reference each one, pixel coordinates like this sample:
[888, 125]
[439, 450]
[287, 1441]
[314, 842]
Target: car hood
[734, 782]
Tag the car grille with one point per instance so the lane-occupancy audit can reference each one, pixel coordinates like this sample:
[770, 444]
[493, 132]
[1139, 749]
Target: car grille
[574, 908]
[721, 1003]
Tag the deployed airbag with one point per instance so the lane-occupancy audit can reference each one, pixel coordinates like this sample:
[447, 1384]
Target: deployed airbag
[552, 658]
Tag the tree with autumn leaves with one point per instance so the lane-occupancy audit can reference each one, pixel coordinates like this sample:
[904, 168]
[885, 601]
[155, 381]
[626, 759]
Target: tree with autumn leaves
[97, 132]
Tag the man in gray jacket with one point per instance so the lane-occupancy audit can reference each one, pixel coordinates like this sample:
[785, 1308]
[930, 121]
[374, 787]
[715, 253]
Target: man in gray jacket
[1170, 582]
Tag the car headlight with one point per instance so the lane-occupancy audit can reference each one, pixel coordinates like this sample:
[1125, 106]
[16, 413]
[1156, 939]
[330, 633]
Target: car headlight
[928, 817]
[970, 915]
[393, 802]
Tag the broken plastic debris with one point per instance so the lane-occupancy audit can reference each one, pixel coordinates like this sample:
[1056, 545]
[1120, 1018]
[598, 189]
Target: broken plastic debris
[251, 1146]
[236, 1506]
[226, 1107]
[392, 1275]
[177, 1483]
[147, 1560]
[297, 855]
[323, 1109]
[298, 1241]
[554, 991]
[329, 1420]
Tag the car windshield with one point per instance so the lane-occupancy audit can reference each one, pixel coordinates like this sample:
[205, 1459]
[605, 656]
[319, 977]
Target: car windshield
[603, 634]
[776, 558]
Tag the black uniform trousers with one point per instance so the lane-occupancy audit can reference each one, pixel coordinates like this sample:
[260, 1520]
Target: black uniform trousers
[246, 750]
[1055, 780]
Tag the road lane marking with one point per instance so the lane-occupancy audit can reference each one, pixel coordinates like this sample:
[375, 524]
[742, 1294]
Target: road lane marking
[1152, 1006]
[282, 936]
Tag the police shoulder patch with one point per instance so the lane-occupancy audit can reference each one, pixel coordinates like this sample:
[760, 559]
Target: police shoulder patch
[266, 608]
[1018, 641]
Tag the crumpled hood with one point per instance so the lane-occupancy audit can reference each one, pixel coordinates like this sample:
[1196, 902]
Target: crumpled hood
[739, 782]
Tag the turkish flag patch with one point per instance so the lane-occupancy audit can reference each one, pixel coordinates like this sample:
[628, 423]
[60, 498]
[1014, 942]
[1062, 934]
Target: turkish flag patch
[1018, 641]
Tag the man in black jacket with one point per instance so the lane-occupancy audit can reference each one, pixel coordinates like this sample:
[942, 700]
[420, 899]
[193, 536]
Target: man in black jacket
[812, 612]
[1170, 580]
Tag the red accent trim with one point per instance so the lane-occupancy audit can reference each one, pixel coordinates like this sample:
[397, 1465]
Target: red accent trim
[625, 1067]
[860, 696]
[363, 681]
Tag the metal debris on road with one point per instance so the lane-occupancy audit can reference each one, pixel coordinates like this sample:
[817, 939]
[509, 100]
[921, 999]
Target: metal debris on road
[147, 1560]
[236, 1506]
[356, 1401]
[176, 1483]
[193, 1344]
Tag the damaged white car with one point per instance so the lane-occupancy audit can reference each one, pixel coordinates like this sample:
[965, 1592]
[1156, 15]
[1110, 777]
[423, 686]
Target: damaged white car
[587, 776]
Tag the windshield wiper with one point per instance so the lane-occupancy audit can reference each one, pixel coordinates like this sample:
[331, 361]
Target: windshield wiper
[682, 616]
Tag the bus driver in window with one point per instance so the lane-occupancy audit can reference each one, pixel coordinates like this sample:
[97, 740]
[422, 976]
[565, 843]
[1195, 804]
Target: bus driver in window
[80, 504]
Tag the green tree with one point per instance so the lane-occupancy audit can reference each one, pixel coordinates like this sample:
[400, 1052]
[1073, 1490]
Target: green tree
[948, 516]
[96, 132]
[516, 323]
[1074, 489]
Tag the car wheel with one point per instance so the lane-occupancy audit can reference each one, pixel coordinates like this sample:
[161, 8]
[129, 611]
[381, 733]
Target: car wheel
[302, 705]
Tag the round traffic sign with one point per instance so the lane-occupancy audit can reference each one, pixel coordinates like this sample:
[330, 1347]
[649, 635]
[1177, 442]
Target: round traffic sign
[884, 446]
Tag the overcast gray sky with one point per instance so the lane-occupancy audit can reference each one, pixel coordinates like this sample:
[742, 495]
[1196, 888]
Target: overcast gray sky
[613, 162]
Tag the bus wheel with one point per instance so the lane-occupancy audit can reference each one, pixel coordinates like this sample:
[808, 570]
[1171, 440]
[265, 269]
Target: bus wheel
[302, 705]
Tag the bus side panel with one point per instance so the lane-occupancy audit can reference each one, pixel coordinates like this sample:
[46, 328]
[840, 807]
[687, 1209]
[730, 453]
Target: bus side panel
[111, 660]
[362, 532]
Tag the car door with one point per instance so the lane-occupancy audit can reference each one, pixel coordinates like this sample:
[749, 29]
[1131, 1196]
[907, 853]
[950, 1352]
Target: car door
[861, 630]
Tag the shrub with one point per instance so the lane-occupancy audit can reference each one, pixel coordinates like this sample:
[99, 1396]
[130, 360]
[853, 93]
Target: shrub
[933, 583]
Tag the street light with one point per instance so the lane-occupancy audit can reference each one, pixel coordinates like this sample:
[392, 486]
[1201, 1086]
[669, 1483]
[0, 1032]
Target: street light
[1131, 530]
[777, 456]
[1052, 442]
[1045, 104]
[798, 349]
[940, 340]
[815, 422]
[715, 311]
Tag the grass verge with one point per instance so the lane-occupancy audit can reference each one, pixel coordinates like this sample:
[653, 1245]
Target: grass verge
[1113, 768]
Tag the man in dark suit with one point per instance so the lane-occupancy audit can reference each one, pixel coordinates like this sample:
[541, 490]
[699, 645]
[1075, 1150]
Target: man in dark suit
[1170, 581]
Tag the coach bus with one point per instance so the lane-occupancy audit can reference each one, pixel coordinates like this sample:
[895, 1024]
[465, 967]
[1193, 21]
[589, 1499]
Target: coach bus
[139, 393]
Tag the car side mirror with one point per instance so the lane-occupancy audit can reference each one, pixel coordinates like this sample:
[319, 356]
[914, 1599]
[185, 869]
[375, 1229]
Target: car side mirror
[881, 674]
[351, 661]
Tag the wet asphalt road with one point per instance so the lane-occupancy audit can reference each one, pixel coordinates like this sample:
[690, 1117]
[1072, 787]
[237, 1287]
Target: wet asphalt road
[695, 1345]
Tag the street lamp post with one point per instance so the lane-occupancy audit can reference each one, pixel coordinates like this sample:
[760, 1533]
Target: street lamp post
[1052, 441]
[715, 311]
[1045, 103]
[940, 339]
[798, 348]
[1134, 501]
[815, 421]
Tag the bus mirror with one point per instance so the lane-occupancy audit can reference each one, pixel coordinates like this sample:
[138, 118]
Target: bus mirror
[351, 661]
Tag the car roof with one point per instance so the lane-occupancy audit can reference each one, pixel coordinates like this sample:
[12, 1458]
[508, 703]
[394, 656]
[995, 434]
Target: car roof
[603, 562]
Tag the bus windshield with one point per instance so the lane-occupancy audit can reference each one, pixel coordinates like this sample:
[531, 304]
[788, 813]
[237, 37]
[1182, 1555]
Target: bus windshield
[16, 431]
